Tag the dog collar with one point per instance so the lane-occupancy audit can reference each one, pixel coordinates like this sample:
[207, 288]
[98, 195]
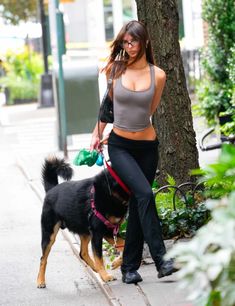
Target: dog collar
[115, 228]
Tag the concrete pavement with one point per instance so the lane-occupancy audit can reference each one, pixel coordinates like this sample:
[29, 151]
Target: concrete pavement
[28, 135]
[20, 209]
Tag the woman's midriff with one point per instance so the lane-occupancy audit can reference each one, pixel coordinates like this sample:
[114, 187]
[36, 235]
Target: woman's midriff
[147, 134]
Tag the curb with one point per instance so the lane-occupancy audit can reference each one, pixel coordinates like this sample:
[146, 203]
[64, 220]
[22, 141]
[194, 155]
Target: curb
[103, 286]
[21, 165]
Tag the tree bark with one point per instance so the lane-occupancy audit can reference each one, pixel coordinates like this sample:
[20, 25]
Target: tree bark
[173, 118]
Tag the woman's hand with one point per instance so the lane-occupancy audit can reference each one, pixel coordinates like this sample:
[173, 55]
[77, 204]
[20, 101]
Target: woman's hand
[95, 143]
[105, 139]
[95, 140]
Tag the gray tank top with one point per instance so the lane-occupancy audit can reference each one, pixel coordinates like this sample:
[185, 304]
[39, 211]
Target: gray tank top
[132, 108]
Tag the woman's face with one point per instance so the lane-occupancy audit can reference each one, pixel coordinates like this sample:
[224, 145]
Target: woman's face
[131, 46]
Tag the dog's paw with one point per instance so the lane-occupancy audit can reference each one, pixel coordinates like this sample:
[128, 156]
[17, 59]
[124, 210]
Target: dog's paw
[116, 263]
[41, 285]
[106, 277]
[109, 278]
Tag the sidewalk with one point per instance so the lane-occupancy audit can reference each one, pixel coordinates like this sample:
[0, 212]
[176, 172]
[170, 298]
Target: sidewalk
[30, 136]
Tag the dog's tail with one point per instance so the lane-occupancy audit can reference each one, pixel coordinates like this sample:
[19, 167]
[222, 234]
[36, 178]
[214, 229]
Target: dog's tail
[52, 168]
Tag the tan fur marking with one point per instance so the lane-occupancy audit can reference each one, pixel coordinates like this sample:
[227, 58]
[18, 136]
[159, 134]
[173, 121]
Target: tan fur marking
[41, 283]
[117, 262]
[99, 265]
[84, 253]
[114, 220]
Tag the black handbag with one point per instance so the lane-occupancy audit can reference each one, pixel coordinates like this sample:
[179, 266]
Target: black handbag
[106, 107]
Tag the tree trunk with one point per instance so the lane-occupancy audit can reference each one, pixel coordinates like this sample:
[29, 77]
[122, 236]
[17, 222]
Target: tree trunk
[173, 119]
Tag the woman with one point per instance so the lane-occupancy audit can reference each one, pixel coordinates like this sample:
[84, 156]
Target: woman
[133, 144]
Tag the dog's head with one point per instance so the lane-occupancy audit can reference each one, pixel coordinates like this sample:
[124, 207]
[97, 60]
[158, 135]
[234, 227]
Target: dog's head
[111, 198]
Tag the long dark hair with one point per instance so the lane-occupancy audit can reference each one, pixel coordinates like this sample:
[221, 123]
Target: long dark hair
[139, 32]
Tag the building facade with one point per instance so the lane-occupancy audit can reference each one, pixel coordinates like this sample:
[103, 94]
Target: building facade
[94, 22]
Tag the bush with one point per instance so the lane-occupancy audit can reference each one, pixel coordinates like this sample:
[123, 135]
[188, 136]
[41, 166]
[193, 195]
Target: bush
[213, 99]
[207, 262]
[20, 89]
[23, 71]
[215, 91]
[229, 127]
[181, 213]
[220, 177]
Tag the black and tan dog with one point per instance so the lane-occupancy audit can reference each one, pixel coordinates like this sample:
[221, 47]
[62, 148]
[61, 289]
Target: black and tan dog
[74, 205]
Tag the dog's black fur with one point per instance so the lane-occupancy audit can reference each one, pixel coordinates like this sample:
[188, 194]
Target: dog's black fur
[68, 205]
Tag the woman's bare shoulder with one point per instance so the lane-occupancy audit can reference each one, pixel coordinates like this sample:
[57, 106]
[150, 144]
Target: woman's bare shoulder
[160, 76]
[159, 73]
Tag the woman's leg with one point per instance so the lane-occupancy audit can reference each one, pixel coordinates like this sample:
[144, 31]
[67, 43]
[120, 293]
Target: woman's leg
[142, 217]
[133, 250]
[148, 161]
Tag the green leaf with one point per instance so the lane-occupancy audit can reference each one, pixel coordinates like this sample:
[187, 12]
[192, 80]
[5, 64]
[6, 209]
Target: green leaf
[171, 180]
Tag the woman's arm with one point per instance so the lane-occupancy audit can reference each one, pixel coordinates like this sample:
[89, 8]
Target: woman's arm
[160, 80]
[95, 140]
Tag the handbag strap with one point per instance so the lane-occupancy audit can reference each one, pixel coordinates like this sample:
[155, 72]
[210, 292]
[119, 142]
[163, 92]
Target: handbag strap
[109, 85]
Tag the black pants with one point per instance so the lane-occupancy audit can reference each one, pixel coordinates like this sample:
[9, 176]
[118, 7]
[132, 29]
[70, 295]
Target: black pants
[135, 161]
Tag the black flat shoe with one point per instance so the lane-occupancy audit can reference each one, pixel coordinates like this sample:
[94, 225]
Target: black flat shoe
[131, 277]
[167, 268]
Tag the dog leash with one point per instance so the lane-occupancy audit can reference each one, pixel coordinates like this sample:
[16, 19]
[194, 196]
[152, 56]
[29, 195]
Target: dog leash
[113, 174]
[117, 178]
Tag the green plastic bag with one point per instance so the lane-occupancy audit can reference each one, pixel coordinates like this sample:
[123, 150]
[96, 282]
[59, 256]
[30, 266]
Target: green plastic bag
[85, 157]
